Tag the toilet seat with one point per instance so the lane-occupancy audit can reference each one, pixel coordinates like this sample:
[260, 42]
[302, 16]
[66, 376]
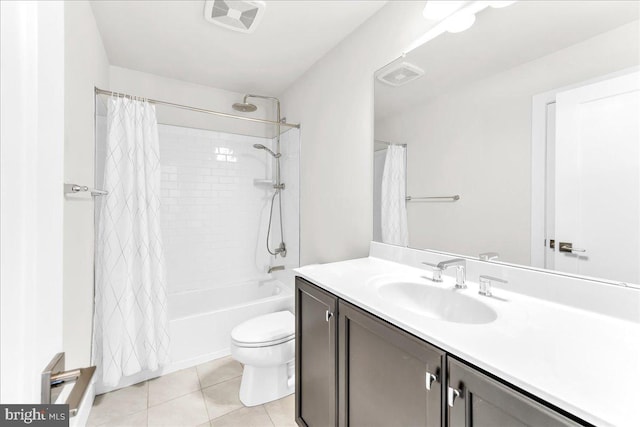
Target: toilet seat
[264, 331]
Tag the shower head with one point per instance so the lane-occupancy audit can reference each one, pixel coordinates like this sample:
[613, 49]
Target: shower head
[262, 147]
[245, 107]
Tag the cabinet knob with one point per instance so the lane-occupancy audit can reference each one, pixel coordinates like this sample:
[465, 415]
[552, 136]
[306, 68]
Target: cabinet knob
[452, 395]
[328, 315]
[429, 379]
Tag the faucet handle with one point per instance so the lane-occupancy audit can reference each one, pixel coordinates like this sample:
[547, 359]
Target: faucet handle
[489, 256]
[485, 284]
[437, 272]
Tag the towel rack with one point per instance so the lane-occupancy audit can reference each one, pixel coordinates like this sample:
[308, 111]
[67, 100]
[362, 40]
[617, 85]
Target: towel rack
[434, 198]
[75, 188]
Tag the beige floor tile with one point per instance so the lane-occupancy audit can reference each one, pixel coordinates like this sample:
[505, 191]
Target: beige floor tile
[217, 371]
[246, 417]
[173, 385]
[207, 424]
[283, 411]
[222, 398]
[188, 410]
[117, 404]
[139, 419]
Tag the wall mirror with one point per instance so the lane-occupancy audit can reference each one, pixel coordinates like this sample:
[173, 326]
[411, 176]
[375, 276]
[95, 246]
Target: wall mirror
[518, 137]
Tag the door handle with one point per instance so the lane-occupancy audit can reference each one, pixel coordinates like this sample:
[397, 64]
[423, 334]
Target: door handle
[429, 379]
[328, 315]
[452, 395]
[568, 247]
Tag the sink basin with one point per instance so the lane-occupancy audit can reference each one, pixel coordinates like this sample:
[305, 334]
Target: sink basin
[437, 303]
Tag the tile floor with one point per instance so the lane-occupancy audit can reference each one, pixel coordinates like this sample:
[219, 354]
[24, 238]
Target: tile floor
[206, 395]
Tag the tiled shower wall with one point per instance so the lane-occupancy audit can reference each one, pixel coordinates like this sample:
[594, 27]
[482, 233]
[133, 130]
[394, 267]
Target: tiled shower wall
[213, 212]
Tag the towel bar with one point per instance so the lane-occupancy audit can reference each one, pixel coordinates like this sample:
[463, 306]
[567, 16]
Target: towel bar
[75, 188]
[451, 198]
[54, 376]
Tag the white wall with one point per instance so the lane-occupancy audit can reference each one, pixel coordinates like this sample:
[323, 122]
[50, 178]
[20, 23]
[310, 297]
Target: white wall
[180, 92]
[86, 66]
[31, 153]
[333, 101]
[476, 141]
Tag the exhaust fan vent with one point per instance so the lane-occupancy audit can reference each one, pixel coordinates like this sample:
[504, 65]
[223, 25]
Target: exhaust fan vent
[237, 15]
[399, 74]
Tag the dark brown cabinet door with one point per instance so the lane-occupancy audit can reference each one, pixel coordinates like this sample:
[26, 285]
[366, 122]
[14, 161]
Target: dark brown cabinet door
[316, 356]
[476, 400]
[387, 376]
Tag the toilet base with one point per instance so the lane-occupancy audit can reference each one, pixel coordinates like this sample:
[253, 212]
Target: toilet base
[264, 384]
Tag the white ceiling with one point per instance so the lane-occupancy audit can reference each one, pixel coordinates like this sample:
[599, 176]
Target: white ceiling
[172, 39]
[499, 40]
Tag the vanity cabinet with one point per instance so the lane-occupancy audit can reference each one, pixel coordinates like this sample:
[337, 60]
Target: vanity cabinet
[387, 377]
[355, 369]
[476, 400]
[316, 356]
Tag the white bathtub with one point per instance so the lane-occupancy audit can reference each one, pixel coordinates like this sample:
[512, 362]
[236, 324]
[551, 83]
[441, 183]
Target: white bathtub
[200, 322]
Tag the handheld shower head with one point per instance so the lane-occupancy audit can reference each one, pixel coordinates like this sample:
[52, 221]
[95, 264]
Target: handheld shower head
[262, 147]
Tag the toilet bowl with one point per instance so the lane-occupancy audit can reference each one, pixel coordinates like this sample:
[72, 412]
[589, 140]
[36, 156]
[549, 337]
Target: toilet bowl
[265, 345]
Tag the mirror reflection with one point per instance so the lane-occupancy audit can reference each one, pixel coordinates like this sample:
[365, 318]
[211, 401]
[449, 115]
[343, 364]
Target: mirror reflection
[517, 138]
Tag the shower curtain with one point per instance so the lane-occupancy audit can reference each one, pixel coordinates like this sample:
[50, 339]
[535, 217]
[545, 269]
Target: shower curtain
[393, 213]
[131, 327]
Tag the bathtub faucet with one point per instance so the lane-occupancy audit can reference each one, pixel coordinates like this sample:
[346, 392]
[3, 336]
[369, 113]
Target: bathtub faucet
[275, 268]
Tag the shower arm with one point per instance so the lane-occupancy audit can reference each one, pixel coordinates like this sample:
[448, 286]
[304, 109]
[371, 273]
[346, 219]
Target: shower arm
[272, 98]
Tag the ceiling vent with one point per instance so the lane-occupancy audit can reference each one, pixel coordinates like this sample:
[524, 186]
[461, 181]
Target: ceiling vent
[237, 15]
[399, 74]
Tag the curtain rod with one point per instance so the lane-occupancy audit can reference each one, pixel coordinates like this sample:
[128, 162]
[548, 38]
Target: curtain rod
[99, 91]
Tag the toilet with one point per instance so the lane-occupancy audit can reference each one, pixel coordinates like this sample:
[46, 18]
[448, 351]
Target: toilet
[265, 345]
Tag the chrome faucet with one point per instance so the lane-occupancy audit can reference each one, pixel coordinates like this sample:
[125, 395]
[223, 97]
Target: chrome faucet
[275, 268]
[459, 263]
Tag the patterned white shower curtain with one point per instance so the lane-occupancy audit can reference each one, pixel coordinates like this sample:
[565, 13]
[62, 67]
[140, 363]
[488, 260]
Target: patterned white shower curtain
[131, 327]
[393, 215]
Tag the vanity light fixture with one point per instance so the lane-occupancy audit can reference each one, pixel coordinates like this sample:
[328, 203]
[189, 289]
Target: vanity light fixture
[437, 10]
[460, 22]
[499, 4]
[456, 16]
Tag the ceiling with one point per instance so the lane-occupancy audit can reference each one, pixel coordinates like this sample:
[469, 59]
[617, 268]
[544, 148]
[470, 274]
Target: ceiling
[534, 28]
[172, 39]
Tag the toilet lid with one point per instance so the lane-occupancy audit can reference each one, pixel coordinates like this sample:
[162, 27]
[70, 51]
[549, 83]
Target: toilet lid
[269, 328]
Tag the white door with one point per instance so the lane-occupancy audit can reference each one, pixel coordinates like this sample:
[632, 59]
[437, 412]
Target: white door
[597, 179]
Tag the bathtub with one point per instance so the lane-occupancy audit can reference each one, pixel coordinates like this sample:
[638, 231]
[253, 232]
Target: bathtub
[200, 322]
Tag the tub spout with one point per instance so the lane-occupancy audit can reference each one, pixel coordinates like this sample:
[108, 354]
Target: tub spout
[275, 268]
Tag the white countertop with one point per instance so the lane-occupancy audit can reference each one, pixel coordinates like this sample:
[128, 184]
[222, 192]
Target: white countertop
[583, 362]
